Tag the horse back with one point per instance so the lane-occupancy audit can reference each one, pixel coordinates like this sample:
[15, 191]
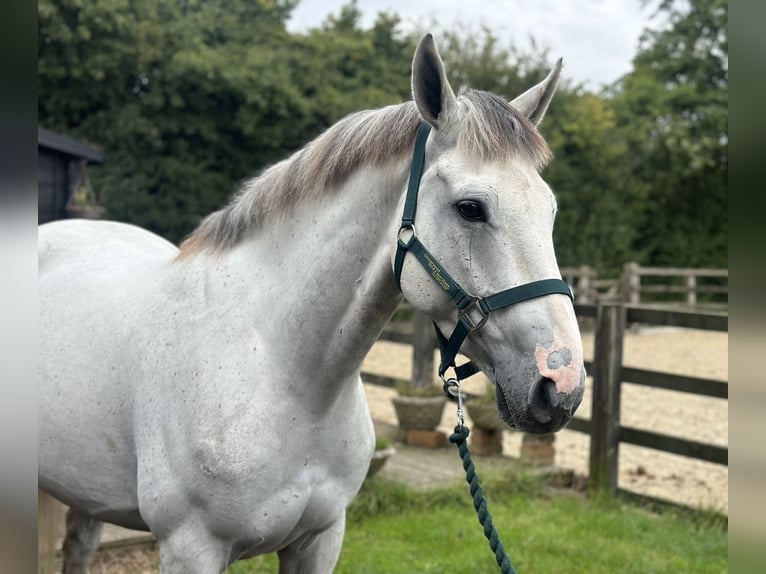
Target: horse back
[92, 276]
[78, 241]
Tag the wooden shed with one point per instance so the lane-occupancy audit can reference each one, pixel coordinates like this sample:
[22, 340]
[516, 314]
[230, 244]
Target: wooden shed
[61, 169]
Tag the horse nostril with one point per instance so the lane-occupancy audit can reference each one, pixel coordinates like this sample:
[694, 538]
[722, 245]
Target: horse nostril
[543, 398]
[549, 388]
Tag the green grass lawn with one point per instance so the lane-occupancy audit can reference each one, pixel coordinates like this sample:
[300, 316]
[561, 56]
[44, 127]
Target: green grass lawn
[392, 529]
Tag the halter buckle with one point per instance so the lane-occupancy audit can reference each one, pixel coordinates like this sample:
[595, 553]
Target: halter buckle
[473, 307]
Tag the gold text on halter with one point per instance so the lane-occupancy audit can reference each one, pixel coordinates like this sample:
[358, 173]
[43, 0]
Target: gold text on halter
[436, 274]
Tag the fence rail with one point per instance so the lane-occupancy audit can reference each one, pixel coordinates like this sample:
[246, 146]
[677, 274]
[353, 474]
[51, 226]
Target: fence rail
[672, 382]
[675, 285]
[632, 286]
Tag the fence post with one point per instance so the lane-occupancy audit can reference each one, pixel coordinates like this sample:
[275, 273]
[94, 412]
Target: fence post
[630, 284]
[584, 286]
[605, 411]
[691, 289]
[423, 345]
[50, 527]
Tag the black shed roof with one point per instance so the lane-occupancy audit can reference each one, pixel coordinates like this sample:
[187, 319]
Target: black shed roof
[69, 145]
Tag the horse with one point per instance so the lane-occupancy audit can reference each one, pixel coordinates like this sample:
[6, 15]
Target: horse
[211, 393]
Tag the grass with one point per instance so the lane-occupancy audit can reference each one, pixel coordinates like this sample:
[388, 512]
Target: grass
[392, 529]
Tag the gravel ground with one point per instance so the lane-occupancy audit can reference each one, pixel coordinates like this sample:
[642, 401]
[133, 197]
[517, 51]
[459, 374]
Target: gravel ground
[681, 351]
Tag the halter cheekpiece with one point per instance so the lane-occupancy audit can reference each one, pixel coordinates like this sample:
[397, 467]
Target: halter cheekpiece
[473, 312]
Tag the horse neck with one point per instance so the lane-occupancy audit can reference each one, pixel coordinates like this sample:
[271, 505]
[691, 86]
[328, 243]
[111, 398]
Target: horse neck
[320, 281]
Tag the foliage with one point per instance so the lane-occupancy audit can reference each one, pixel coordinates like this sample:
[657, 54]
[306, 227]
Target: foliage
[382, 442]
[640, 173]
[596, 197]
[588, 174]
[478, 60]
[391, 528]
[673, 114]
[189, 97]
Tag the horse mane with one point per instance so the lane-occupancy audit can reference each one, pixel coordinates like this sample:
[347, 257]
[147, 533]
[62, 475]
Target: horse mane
[490, 129]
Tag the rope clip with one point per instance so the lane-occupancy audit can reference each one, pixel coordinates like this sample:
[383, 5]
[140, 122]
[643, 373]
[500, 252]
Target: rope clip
[452, 390]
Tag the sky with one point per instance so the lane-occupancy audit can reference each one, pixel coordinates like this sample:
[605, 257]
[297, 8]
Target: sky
[596, 38]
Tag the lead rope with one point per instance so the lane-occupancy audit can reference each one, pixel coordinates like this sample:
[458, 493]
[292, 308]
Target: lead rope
[460, 439]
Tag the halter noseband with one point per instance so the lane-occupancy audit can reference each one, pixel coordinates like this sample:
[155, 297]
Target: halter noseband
[473, 312]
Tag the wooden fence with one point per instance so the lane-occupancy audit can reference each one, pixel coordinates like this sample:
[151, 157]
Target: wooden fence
[588, 288]
[606, 432]
[674, 285]
[637, 284]
[609, 373]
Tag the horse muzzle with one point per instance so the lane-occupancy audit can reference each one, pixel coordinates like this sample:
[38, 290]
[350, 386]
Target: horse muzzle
[545, 403]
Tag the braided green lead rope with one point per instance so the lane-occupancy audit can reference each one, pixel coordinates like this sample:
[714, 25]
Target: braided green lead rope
[459, 437]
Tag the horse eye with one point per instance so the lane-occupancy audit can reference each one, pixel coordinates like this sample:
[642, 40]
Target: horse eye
[471, 210]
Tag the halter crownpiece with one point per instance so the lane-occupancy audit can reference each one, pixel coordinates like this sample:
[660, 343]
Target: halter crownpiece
[473, 312]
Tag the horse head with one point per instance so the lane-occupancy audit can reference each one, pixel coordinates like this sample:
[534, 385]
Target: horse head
[486, 217]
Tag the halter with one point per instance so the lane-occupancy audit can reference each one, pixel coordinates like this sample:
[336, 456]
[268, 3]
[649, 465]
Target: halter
[473, 312]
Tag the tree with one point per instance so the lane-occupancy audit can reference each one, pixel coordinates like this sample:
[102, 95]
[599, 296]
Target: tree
[673, 112]
[478, 60]
[596, 198]
[165, 88]
[190, 97]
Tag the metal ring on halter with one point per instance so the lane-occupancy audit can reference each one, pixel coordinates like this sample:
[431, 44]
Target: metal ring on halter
[448, 385]
[406, 228]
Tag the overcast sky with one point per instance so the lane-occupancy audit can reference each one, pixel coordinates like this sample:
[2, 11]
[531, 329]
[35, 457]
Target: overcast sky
[596, 38]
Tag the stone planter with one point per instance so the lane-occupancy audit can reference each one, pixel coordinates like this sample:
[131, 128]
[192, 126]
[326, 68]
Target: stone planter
[538, 449]
[486, 436]
[485, 442]
[379, 459]
[419, 413]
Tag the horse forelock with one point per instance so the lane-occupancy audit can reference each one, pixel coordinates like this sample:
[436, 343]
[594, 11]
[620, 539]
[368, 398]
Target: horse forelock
[490, 129]
[494, 130]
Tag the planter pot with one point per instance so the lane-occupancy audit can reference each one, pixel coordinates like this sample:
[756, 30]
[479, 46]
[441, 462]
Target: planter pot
[486, 442]
[379, 458]
[484, 415]
[487, 432]
[419, 413]
[538, 449]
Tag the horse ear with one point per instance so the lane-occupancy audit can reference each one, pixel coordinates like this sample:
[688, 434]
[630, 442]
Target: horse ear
[534, 102]
[430, 89]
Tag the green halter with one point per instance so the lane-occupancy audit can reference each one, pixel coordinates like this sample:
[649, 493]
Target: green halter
[473, 312]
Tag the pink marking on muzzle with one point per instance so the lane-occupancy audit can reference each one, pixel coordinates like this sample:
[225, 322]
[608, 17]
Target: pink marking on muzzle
[566, 376]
